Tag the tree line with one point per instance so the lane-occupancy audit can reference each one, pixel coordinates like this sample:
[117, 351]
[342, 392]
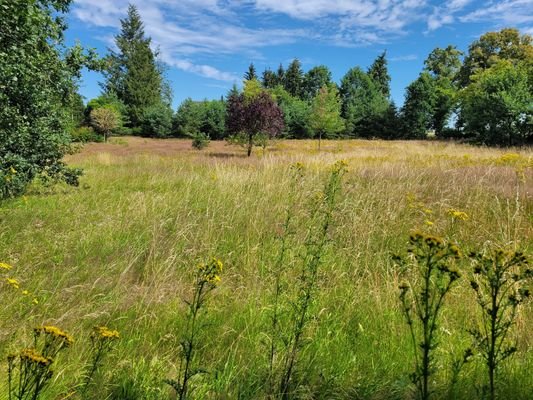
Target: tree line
[484, 95]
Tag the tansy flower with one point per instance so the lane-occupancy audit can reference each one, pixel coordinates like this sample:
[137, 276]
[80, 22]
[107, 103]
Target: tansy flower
[13, 282]
[457, 214]
[5, 266]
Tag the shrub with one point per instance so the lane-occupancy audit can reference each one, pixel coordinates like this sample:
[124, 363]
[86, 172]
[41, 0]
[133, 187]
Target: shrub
[104, 120]
[85, 134]
[200, 141]
[156, 121]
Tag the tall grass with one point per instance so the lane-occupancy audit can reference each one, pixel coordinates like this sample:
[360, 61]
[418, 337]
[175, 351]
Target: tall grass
[121, 251]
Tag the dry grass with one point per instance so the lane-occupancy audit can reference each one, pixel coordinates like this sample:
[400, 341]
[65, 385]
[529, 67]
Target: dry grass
[120, 251]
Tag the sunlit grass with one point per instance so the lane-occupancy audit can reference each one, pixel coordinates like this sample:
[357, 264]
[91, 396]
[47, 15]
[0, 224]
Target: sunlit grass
[121, 251]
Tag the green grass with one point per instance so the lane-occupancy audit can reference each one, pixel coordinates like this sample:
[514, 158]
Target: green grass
[121, 250]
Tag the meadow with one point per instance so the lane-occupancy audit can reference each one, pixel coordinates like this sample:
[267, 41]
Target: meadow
[121, 250]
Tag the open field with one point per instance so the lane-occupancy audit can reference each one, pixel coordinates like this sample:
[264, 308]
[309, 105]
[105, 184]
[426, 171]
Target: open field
[121, 251]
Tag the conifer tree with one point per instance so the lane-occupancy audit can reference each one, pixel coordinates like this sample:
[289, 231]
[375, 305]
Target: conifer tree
[293, 81]
[269, 79]
[250, 74]
[379, 73]
[133, 74]
[280, 75]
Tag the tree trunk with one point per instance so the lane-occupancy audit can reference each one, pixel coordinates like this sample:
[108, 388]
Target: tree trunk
[319, 139]
[250, 144]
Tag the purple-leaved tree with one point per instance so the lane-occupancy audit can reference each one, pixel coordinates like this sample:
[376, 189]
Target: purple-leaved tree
[252, 116]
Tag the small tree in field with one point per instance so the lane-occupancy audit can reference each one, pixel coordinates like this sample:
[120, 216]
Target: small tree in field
[325, 115]
[104, 120]
[253, 116]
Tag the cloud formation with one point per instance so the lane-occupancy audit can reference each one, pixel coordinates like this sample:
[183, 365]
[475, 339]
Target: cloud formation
[188, 31]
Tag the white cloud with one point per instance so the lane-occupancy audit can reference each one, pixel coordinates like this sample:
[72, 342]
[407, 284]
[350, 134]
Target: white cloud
[407, 57]
[510, 12]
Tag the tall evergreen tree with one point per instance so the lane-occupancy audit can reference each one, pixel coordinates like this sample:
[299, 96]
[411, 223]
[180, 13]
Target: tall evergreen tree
[280, 75]
[379, 73]
[269, 79]
[362, 103]
[293, 81]
[417, 111]
[315, 79]
[133, 73]
[251, 73]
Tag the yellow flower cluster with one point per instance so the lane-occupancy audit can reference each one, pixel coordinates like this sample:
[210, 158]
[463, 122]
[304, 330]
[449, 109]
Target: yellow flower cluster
[13, 282]
[104, 333]
[456, 214]
[33, 357]
[55, 332]
[210, 272]
[5, 266]
[340, 165]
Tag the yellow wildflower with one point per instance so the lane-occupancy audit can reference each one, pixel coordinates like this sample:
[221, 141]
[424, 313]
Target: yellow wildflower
[103, 332]
[5, 266]
[55, 332]
[456, 214]
[32, 356]
[25, 292]
[35, 301]
[428, 222]
[13, 282]
[12, 170]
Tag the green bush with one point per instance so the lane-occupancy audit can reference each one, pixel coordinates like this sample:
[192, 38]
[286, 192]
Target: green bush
[156, 121]
[85, 134]
[200, 141]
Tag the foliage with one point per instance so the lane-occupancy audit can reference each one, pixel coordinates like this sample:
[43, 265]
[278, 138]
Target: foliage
[296, 113]
[102, 341]
[493, 47]
[293, 78]
[208, 117]
[432, 276]
[107, 100]
[200, 141]
[156, 121]
[37, 89]
[325, 118]
[315, 246]
[315, 79]
[104, 120]
[253, 115]
[132, 73]
[500, 282]
[496, 106]
[250, 74]
[362, 102]
[269, 79]
[444, 65]
[206, 280]
[379, 74]
[85, 134]
[418, 108]
[29, 371]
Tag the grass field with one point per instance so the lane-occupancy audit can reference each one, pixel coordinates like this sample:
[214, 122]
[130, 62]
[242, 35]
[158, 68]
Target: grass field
[121, 250]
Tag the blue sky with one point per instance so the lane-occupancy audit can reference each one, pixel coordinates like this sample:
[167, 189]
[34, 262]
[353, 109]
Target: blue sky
[208, 44]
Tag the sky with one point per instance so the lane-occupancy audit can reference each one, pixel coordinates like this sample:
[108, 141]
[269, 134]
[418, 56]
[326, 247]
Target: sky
[207, 45]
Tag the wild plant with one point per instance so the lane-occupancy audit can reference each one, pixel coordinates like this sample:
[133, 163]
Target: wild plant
[276, 328]
[499, 280]
[102, 342]
[315, 246]
[200, 140]
[206, 280]
[429, 264]
[29, 371]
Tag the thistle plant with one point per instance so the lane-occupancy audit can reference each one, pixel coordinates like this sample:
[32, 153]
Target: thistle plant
[317, 239]
[429, 263]
[29, 371]
[206, 280]
[499, 280]
[102, 342]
